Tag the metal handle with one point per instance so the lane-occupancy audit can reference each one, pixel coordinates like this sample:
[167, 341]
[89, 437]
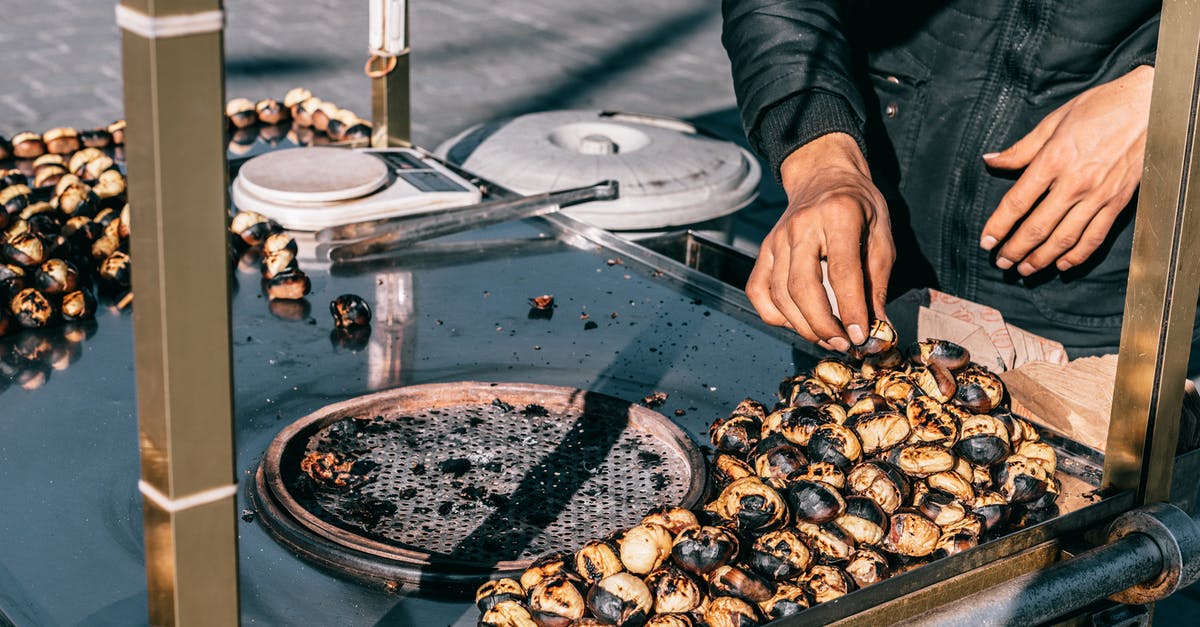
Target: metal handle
[392, 234]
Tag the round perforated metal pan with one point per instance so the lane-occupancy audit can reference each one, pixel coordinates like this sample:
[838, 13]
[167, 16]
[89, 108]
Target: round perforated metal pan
[469, 480]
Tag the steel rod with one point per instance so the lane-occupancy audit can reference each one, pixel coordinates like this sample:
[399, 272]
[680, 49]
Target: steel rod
[175, 152]
[1039, 597]
[1160, 304]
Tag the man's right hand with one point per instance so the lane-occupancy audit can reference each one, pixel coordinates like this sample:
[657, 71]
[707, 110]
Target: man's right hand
[835, 213]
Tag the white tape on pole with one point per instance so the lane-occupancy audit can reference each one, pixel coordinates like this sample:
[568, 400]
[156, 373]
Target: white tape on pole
[387, 30]
[203, 497]
[165, 26]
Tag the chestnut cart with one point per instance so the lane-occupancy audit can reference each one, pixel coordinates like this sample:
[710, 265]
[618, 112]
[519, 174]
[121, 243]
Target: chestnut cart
[125, 474]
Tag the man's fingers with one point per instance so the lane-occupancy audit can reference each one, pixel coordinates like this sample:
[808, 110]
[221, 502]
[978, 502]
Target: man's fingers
[1064, 237]
[881, 255]
[1015, 204]
[1036, 228]
[758, 288]
[843, 259]
[782, 299]
[1092, 238]
[1021, 154]
[808, 293]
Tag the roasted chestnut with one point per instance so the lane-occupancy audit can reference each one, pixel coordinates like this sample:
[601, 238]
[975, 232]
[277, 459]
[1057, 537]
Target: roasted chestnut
[620, 599]
[826, 583]
[105, 245]
[896, 388]
[358, 131]
[978, 390]
[737, 582]
[788, 600]
[507, 614]
[110, 184]
[24, 249]
[76, 201]
[278, 262]
[814, 501]
[497, 591]
[881, 338]
[295, 96]
[856, 390]
[1048, 499]
[834, 373]
[12, 280]
[117, 131]
[644, 547]
[674, 591]
[96, 138]
[731, 612]
[323, 114]
[953, 483]
[240, 112]
[824, 472]
[828, 543]
[597, 560]
[1018, 429]
[350, 310]
[726, 469]
[737, 434]
[805, 391]
[28, 145]
[930, 422]
[921, 460]
[778, 462]
[983, 440]
[941, 507]
[271, 111]
[863, 520]
[780, 554]
[796, 424]
[1039, 453]
[544, 566]
[14, 199]
[288, 286]
[252, 227]
[942, 353]
[935, 381]
[95, 168]
[954, 543]
[836, 444]
[868, 566]
[303, 111]
[557, 600]
[1020, 479]
[31, 309]
[115, 269]
[661, 620]
[889, 360]
[880, 431]
[751, 506]
[881, 482]
[61, 140]
[911, 534]
[56, 276]
[971, 524]
[12, 176]
[675, 519]
[701, 550]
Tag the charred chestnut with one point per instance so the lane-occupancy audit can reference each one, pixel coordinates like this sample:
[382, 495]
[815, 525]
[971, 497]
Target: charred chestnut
[826, 583]
[737, 434]
[881, 482]
[978, 390]
[796, 424]
[117, 131]
[278, 262]
[814, 501]
[858, 388]
[28, 145]
[971, 524]
[941, 507]
[834, 373]
[77, 201]
[253, 228]
[863, 520]
[881, 338]
[620, 599]
[557, 600]
[288, 286]
[731, 612]
[661, 620]
[751, 505]
[110, 184]
[674, 591]
[836, 444]
[644, 547]
[115, 269]
[24, 249]
[507, 614]
[868, 403]
[350, 310]
[881, 431]
[597, 560]
[935, 381]
[889, 360]
[497, 591]
[271, 111]
[788, 600]
[544, 566]
[14, 199]
[31, 309]
[896, 388]
[726, 469]
[828, 543]
[780, 554]
[805, 392]
[78, 305]
[868, 566]
[823, 472]
[61, 141]
[775, 464]
[737, 582]
[930, 422]
[954, 543]
[911, 534]
[56, 276]
[96, 138]
[240, 112]
[983, 440]
[701, 550]
[943, 353]
[12, 280]
[1039, 453]
[1020, 479]
[921, 460]
[952, 483]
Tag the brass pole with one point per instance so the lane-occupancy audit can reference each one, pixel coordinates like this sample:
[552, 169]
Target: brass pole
[390, 99]
[1164, 278]
[175, 149]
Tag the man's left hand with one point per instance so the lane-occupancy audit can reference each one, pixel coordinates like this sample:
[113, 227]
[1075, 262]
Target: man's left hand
[1082, 165]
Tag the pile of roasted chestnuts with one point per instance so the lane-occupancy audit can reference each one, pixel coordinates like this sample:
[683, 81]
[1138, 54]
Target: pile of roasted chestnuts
[64, 226]
[302, 118]
[255, 238]
[865, 468]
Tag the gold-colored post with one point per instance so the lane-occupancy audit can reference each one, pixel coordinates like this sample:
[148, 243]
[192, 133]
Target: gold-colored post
[175, 150]
[390, 99]
[1163, 277]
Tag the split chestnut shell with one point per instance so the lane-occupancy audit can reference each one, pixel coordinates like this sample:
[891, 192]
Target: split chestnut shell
[675, 519]
[931, 422]
[726, 469]
[751, 505]
[778, 462]
[836, 444]
[814, 501]
[881, 482]
[881, 431]
[823, 472]
[1020, 479]
[868, 566]
[737, 434]
[827, 542]
[497, 591]
[731, 612]
[597, 560]
[31, 309]
[557, 600]
[780, 554]
[863, 520]
[921, 460]
[621, 599]
[943, 353]
[880, 338]
[674, 591]
[788, 600]
[983, 440]
[644, 547]
[911, 534]
[544, 566]
[826, 583]
[701, 550]
[507, 614]
[737, 582]
[978, 390]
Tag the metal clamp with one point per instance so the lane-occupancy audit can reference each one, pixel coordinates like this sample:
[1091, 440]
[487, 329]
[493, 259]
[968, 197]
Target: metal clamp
[1176, 535]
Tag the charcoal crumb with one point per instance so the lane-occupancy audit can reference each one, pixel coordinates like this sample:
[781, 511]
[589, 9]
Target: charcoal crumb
[649, 458]
[418, 469]
[457, 466]
[498, 501]
[589, 325]
[473, 493]
[533, 410]
[248, 515]
[501, 405]
[445, 508]
[660, 480]
[406, 494]
[493, 467]
[680, 412]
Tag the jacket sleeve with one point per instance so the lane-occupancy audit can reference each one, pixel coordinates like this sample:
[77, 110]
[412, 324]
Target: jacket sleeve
[1140, 48]
[792, 73]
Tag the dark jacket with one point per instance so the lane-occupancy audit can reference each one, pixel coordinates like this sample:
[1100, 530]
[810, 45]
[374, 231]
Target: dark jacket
[926, 88]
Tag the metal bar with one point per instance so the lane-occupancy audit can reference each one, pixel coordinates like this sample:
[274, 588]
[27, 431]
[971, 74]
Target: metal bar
[1160, 304]
[1038, 597]
[390, 91]
[174, 92]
